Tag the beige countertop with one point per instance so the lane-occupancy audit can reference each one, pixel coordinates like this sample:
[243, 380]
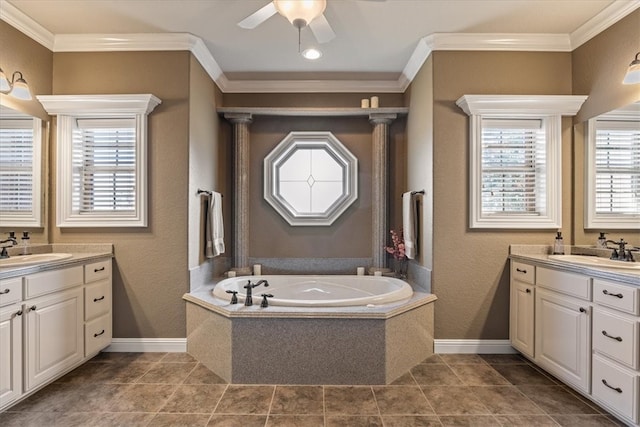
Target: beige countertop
[539, 256]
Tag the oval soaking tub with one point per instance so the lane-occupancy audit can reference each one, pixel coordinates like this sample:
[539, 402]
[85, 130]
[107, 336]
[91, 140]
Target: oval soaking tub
[319, 291]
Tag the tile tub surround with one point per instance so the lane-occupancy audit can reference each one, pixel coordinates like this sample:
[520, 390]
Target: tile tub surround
[123, 389]
[291, 345]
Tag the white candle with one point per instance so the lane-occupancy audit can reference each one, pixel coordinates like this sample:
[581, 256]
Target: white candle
[377, 273]
[257, 270]
[364, 103]
[360, 271]
[231, 274]
[374, 102]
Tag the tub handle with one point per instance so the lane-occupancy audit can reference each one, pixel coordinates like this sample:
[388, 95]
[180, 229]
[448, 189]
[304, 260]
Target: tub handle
[234, 297]
[265, 303]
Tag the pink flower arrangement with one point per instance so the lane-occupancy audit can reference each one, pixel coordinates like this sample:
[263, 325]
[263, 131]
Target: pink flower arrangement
[397, 250]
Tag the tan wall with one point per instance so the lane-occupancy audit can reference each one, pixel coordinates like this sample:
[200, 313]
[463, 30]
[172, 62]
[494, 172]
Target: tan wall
[20, 53]
[207, 159]
[470, 275]
[150, 268]
[309, 100]
[419, 171]
[598, 69]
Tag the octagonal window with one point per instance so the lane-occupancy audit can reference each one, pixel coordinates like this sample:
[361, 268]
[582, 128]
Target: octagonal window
[310, 178]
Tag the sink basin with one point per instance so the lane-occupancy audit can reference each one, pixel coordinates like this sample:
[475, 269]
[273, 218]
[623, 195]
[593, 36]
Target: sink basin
[596, 261]
[22, 260]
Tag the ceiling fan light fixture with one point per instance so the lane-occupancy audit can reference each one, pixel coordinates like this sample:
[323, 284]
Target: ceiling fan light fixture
[300, 12]
[311, 54]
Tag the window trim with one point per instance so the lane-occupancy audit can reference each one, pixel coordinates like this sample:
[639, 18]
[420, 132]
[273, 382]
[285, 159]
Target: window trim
[34, 217]
[550, 109]
[68, 108]
[593, 220]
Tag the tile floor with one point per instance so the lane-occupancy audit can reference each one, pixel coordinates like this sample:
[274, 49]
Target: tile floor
[172, 389]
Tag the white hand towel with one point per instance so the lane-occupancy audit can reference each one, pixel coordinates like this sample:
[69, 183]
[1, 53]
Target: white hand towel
[214, 227]
[408, 225]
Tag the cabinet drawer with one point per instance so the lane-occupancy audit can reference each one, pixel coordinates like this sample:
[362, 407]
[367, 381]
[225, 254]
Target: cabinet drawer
[51, 281]
[97, 271]
[97, 299]
[97, 334]
[567, 283]
[10, 291]
[616, 336]
[618, 296]
[523, 272]
[616, 387]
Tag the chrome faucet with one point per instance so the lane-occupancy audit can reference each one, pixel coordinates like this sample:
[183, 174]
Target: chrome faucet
[249, 286]
[12, 239]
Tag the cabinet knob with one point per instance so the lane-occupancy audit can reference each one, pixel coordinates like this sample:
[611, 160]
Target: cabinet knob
[19, 313]
[606, 292]
[33, 308]
[528, 290]
[6, 291]
[583, 310]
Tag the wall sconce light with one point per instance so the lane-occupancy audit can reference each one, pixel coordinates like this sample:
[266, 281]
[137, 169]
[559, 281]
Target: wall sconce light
[17, 87]
[633, 73]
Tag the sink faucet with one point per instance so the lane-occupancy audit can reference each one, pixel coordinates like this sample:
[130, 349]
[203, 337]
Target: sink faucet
[249, 286]
[620, 253]
[12, 239]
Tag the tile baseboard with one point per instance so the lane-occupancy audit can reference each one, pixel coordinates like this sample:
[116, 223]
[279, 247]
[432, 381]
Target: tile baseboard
[148, 345]
[474, 346]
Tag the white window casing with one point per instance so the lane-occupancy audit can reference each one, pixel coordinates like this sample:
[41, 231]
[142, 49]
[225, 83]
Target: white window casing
[21, 172]
[515, 179]
[102, 159]
[612, 172]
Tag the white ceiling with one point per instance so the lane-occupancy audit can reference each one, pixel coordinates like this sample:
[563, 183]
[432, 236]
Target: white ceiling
[375, 38]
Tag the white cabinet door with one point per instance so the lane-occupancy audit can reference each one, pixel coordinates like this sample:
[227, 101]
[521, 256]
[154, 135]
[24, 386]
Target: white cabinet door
[54, 335]
[521, 321]
[10, 354]
[563, 337]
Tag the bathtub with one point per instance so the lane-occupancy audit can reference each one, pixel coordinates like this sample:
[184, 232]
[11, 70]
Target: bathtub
[319, 291]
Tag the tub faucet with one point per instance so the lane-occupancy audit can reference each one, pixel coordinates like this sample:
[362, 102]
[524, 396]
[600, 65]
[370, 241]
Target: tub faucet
[249, 286]
[12, 239]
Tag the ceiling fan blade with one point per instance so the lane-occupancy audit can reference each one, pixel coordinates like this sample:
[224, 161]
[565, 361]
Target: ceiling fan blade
[322, 30]
[258, 17]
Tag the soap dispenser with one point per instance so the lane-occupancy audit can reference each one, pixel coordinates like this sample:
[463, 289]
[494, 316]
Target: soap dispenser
[558, 245]
[602, 241]
[25, 243]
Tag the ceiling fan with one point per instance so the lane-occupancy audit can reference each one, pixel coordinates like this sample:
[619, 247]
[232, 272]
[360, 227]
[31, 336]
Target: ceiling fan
[300, 13]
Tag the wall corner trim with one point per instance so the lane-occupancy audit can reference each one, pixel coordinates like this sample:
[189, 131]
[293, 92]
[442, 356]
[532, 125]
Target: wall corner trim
[603, 20]
[23, 23]
[148, 345]
[473, 346]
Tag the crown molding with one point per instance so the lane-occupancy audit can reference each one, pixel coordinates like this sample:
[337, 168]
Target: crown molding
[23, 23]
[603, 20]
[565, 105]
[79, 105]
[425, 46]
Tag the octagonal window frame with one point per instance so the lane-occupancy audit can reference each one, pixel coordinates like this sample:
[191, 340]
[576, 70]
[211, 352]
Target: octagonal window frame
[314, 140]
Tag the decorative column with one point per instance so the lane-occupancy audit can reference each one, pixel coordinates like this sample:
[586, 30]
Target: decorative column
[380, 187]
[241, 122]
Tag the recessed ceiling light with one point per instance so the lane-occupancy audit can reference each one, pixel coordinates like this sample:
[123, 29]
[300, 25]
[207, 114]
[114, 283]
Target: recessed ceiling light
[311, 53]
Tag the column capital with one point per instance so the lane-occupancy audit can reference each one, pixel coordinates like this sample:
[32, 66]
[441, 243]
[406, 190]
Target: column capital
[382, 118]
[239, 117]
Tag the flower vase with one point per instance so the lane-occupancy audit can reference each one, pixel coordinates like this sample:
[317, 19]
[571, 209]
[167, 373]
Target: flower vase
[400, 267]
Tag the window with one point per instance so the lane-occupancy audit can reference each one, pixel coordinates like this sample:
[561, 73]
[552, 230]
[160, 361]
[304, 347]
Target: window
[613, 173]
[102, 152]
[20, 172]
[515, 163]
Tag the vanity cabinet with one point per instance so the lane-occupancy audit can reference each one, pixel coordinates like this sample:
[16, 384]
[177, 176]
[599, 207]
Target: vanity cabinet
[60, 319]
[586, 332]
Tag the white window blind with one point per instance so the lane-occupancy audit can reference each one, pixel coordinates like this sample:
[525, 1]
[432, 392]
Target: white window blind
[16, 166]
[513, 167]
[617, 166]
[104, 165]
